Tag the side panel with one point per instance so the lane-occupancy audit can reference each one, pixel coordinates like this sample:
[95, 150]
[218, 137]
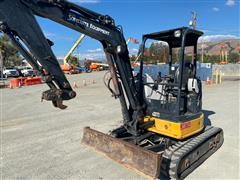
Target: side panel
[174, 129]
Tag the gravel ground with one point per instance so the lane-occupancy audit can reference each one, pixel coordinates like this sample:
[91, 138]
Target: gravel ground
[39, 141]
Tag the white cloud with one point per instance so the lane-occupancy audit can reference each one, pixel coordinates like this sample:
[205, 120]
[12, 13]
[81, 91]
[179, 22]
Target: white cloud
[49, 34]
[52, 36]
[205, 30]
[219, 37]
[92, 56]
[98, 53]
[215, 9]
[230, 2]
[95, 50]
[133, 51]
[60, 57]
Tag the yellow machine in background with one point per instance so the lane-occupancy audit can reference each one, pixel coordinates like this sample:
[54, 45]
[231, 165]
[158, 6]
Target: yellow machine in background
[68, 68]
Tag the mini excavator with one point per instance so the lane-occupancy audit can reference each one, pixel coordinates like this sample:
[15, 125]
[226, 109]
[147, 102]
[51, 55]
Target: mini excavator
[163, 129]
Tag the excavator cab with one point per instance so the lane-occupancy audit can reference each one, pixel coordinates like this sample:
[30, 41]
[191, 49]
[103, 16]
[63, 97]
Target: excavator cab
[174, 97]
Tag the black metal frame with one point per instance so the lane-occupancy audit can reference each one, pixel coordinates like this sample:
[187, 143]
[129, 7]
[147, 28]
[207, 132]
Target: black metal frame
[188, 37]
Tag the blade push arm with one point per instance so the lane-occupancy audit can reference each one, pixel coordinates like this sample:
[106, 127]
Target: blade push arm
[18, 22]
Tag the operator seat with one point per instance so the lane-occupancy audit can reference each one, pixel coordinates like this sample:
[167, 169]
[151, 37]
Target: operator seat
[188, 72]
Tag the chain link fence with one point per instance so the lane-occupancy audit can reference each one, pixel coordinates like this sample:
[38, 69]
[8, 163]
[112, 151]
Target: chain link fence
[227, 69]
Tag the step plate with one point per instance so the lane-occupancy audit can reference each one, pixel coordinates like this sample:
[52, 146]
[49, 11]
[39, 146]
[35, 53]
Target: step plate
[125, 153]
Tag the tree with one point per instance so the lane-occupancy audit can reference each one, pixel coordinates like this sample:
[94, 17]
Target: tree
[208, 58]
[233, 57]
[133, 58]
[156, 53]
[73, 60]
[175, 55]
[10, 54]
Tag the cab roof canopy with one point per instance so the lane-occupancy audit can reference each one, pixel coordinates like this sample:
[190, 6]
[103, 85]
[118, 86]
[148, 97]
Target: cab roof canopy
[174, 36]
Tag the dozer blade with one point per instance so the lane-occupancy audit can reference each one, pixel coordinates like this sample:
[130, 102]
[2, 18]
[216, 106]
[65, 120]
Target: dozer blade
[125, 153]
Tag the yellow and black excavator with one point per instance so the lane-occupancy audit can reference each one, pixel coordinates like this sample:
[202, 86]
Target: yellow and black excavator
[163, 129]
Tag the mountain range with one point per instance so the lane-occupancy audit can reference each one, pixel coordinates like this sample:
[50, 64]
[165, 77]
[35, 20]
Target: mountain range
[214, 48]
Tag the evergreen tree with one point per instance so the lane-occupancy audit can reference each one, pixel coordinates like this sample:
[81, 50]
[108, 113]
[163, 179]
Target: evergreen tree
[234, 57]
[73, 60]
[10, 54]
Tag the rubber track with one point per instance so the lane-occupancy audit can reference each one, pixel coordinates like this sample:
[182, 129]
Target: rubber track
[173, 156]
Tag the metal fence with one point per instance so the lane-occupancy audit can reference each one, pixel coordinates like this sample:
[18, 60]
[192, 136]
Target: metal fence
[204, 71]
[227, 69]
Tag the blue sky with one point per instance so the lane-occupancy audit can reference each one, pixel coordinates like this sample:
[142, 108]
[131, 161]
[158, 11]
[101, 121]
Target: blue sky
[216, 18]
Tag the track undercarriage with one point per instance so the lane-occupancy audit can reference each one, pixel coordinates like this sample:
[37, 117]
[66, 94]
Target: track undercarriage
[157, 156]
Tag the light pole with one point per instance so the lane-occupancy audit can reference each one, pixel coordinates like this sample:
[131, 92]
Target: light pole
[203, 46]
[193, 22]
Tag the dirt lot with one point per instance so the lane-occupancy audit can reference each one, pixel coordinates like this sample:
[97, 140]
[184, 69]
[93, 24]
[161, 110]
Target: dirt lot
[41, 142]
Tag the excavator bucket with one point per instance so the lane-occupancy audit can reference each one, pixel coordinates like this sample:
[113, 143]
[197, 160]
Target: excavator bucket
[144, 161]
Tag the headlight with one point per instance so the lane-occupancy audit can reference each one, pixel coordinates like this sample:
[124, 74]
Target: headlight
[177, 33]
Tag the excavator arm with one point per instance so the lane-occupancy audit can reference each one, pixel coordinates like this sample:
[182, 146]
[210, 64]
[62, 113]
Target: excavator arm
[17, 20]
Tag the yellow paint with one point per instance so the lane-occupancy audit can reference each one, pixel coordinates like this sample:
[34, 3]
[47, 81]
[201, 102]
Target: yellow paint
[174, 129]
[220, 77]
[216, 79]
